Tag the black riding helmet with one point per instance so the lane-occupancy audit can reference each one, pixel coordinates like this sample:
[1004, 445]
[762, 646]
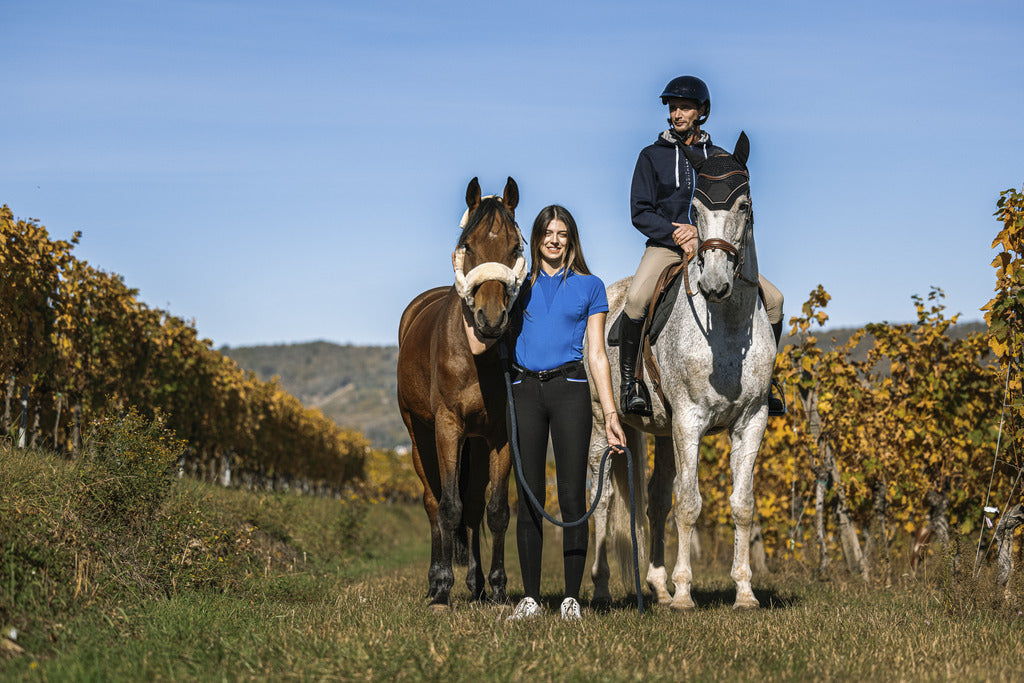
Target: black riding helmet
[690, 88]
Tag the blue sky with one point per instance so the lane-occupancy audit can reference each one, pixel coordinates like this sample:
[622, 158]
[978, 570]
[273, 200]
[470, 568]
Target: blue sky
[285, 172]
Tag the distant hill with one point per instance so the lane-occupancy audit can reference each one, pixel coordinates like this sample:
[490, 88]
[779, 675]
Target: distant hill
[356, 385]
[353, 385]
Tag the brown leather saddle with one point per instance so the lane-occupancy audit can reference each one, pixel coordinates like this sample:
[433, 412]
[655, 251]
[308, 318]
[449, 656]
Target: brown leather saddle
[658, 311]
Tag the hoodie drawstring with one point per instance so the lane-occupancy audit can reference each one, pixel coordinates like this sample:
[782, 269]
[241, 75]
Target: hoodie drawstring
[704, 147]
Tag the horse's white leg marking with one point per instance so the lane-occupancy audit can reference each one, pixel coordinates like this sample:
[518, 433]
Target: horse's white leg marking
[686, 440]
[659, 492]
[746, 440]
[599, 572]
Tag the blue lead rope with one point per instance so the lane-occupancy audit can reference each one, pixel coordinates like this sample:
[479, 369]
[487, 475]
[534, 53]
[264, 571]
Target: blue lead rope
[513, 438]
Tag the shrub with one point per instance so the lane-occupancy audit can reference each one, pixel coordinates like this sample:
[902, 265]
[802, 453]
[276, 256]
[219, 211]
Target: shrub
[968, 591]
[129, 463]
[391, 477]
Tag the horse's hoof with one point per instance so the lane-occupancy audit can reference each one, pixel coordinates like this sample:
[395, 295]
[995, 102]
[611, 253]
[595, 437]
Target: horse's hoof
[439, 608]
[662, 596]
[683, 606]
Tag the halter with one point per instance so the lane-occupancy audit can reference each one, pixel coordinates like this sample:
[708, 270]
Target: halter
[724, 202]
[466, 284]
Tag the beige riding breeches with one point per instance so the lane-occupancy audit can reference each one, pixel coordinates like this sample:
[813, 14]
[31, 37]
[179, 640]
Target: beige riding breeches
[656, 259]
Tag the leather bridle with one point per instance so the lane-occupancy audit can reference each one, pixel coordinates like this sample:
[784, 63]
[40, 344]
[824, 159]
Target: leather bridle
[716, 242]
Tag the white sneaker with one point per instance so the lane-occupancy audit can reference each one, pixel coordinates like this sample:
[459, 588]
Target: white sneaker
[526, 608]
[571, 609]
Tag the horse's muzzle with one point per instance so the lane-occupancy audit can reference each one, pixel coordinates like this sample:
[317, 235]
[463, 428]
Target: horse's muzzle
[490, 327]
[716, 293]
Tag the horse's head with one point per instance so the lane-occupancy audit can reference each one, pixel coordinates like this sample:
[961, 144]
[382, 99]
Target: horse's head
[724, 217]
[489, 263]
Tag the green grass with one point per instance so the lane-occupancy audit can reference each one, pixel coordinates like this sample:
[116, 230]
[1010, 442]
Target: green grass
[376, 628]
[319, 589]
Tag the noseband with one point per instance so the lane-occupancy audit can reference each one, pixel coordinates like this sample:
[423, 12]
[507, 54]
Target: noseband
[466, 284]
[513, 278]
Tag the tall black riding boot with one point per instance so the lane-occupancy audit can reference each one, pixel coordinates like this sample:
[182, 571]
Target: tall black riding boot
[634, 397]
[777, 404]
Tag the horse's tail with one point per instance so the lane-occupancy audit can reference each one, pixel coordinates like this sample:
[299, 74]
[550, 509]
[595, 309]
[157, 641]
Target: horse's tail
[619, 531]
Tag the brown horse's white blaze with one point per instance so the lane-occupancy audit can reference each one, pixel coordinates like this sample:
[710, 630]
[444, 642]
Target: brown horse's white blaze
[453, 403]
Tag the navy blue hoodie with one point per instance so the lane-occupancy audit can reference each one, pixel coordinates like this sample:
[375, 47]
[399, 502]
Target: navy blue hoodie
[662, 189]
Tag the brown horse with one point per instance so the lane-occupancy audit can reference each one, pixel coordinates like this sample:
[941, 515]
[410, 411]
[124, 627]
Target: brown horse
[453, 403]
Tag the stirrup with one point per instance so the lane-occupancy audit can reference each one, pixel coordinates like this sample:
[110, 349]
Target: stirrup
[636, 400]
[777, 404]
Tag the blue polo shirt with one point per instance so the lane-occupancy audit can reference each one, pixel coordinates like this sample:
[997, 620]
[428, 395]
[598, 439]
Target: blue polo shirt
[552, 318]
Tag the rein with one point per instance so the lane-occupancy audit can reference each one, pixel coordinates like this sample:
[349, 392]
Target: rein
[513, 438]
[716, 243]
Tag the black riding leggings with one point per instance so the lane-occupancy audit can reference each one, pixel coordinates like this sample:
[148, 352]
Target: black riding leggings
[561, 407]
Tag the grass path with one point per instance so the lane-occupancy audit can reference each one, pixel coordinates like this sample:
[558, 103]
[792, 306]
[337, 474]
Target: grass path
[366, 619]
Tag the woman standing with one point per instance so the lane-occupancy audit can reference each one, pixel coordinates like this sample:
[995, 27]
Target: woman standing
[560, 303]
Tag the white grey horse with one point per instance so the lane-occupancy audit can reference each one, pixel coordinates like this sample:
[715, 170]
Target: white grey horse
[715, 354]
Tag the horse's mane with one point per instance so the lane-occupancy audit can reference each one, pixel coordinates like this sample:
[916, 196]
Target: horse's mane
[487, 210]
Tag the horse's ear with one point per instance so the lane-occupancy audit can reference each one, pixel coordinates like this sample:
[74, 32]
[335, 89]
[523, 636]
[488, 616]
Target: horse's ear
[742, 151]
[696, 159]
[510, 198]
[473, 194]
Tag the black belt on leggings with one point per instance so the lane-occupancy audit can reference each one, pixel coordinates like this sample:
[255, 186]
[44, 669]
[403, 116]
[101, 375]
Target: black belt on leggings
[573, 370]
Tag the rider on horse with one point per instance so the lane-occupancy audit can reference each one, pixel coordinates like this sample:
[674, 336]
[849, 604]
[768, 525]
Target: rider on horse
[660, 206]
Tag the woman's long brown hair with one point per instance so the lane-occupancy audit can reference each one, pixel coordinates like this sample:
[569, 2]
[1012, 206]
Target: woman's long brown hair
[573, 259]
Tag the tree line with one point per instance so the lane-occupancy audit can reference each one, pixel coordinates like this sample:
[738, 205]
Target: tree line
[923, 433]
[76, 345]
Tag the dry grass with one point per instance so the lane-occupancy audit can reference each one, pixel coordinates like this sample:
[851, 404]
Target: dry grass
[361, 615]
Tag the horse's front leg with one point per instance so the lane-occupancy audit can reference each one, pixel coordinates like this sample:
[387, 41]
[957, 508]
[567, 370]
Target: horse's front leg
[434, 572]
[497, 521]
[600, 572]
[472, 487]
[659, 501]
[746, 441]
[686, 436]
[449, 444]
